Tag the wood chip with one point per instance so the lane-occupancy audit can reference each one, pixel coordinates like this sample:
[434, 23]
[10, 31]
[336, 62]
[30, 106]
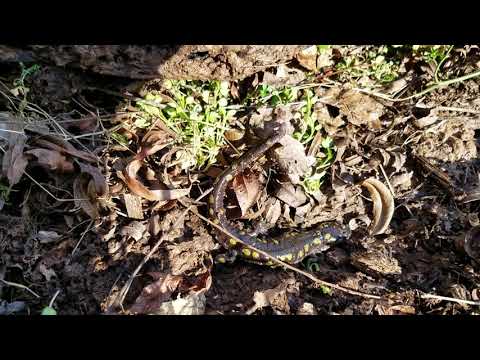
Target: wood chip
[133, 203]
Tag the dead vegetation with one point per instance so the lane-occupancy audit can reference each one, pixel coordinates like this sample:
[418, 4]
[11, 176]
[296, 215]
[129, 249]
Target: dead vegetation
[104, 197]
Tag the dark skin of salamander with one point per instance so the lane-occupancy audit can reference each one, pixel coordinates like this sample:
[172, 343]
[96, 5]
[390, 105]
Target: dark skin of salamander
[291, 247]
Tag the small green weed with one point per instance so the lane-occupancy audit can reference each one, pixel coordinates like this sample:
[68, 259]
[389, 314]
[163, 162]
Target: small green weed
[198, 114]
[314, 181]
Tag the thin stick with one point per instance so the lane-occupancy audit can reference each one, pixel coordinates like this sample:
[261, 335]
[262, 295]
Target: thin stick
[53, 298]
[424, 92]
[89, 227]
[445, 298]
[306, 274]
[20, 286]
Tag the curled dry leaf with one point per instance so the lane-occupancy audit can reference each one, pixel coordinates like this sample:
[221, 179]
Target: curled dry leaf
[292, 195]
[64, 147]
[308, 58]
[247, 188]
[52, 160]
[470, 243]
[85, 198]
[153, 295]
[383, 205]
[136, 187]
[277, 298]
[14, 161]
[46, 237]
[152, 142]
[99, 181]
[292, 159]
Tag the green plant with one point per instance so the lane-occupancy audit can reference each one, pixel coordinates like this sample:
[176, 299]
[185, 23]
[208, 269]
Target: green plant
[197, 113]
[19, 84]
[314, 181]
[4, 191]
[379, 63]
[435, 55]
[308, 124]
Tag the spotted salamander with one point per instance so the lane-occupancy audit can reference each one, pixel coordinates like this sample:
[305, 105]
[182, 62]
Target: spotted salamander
[290, 247]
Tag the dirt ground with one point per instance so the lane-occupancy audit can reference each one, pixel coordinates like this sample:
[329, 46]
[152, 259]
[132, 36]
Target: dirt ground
[81, 234]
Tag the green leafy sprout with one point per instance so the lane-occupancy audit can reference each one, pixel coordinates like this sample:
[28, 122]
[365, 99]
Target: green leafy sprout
[198, 114]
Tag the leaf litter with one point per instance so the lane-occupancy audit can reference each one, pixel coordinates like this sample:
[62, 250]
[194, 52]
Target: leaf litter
[421, 237]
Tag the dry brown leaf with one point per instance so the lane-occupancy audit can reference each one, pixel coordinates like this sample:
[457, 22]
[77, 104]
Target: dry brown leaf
[193, 304]
[84, 198]
[292, 195]
[52, 160]
[247, 189]
[153, 295]
[46, 237]
[276, 298]
[153, 141]
[308, 58]
[14, 161]
[136, 187]
[273, 210]
[64, 147]
[99, 180]
[292, 159]
[383, 205]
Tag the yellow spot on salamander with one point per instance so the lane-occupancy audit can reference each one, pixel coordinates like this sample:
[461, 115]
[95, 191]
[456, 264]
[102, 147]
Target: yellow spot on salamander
[269, 263]
[211, 212]
[232, 241]
[221, 211]
[317, 241]
[300, 254]
[228, 178]
[306, 247]
[211, 200]
[221, 260]
[255, 255]
[246, 252]
[275, 242]
[243, 233]
[286, 258]
[327, 236]
[216, 221]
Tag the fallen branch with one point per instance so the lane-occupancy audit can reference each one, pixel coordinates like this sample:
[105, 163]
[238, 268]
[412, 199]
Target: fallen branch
[424, 92]
[445, 298]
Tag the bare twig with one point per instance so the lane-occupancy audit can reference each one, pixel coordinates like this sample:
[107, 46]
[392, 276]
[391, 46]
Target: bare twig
[53, 298]
[445, 298]
[424, 92]
[20, 286]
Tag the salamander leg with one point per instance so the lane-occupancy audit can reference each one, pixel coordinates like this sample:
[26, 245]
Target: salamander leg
[227, 257]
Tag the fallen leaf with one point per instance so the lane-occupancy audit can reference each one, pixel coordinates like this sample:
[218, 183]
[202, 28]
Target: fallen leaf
[383, 205]
[48, 273]
[153, 295]
[83, 197]
[14, 161]
[153, 141]
[470, 243]
[46, 237]
[276, 298]
[134, 229]
[292, 159]
[308, 58]
[193, 304]
[293, 196]
[307, 309]
[53, 142]
[99, 180]
[273, 210]
[11, 308]
[52, 160]
[247, 188]
[136, 187]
